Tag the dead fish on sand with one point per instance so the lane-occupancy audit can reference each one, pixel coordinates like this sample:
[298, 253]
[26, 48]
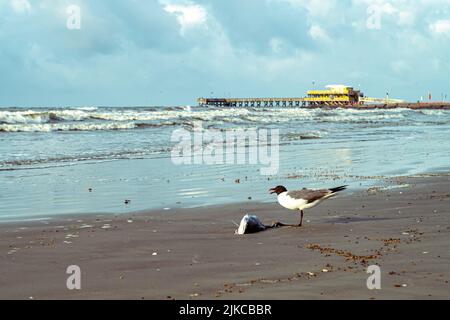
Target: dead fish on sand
[252, 224]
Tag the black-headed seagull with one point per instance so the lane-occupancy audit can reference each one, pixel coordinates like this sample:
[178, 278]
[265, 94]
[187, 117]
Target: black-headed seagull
[303, 199]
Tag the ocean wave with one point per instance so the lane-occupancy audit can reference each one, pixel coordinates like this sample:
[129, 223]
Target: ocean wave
[357, 117]
[102, 156]
[105, 118]
[156, 125]
[50, 127]
[87, 108]
[434, 112]
[135, 116]
[123, 115]
[39, 117]
[295, 136]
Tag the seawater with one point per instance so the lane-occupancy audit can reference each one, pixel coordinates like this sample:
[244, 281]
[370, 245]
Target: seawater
[51, 157]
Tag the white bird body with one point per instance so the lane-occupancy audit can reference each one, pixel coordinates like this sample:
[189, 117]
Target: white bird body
[288, 202]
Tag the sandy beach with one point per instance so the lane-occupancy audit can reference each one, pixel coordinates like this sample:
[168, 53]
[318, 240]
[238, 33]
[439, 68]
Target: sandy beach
[136, 136]
[194, 254]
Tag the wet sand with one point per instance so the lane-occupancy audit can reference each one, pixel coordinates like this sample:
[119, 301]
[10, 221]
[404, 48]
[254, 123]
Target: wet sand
[194, 254]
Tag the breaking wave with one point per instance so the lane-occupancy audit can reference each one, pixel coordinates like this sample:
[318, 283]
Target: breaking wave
[295, 136]
[105, 118]
[9, 165]
[49, 127]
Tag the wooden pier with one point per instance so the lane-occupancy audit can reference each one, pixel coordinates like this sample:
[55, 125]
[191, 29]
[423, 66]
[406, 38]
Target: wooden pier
[253, 102]
[306, 103]
[333, 96]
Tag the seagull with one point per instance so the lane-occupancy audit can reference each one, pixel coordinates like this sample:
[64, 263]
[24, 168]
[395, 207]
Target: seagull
[303, 199]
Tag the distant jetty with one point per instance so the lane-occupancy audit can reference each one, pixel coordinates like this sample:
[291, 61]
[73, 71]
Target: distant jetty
[406, 105]
[334, 96]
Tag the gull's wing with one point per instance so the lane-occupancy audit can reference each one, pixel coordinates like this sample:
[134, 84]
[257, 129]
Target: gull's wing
[309, 195]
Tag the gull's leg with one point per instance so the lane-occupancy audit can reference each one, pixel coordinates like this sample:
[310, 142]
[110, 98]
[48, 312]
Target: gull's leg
[301, 218]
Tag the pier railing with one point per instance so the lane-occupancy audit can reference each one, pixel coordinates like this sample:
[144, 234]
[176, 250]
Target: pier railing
[253, 102]
[312, 103]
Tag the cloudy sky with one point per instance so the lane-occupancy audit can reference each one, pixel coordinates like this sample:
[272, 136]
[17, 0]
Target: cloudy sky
[169, 52]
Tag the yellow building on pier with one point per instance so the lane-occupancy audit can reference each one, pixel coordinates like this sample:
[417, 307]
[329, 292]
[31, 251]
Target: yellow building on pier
[331, 96]
[334, 95]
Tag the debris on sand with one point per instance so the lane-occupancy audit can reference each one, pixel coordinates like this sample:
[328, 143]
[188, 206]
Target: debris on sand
[14, 250]
[250, 224]
[85, 226]
[374, 190]
[391, 241]
[346, 254]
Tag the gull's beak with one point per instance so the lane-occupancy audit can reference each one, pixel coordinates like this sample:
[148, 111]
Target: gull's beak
[272, 191]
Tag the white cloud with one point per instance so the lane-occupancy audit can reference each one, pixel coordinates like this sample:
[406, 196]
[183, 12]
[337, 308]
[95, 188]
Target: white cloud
[441, 27]
[188, 15]
[400, 66]
[21, 6]
[315, 8]
[406, 18]
[317, 33]
[276, 45]
[388, 8]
